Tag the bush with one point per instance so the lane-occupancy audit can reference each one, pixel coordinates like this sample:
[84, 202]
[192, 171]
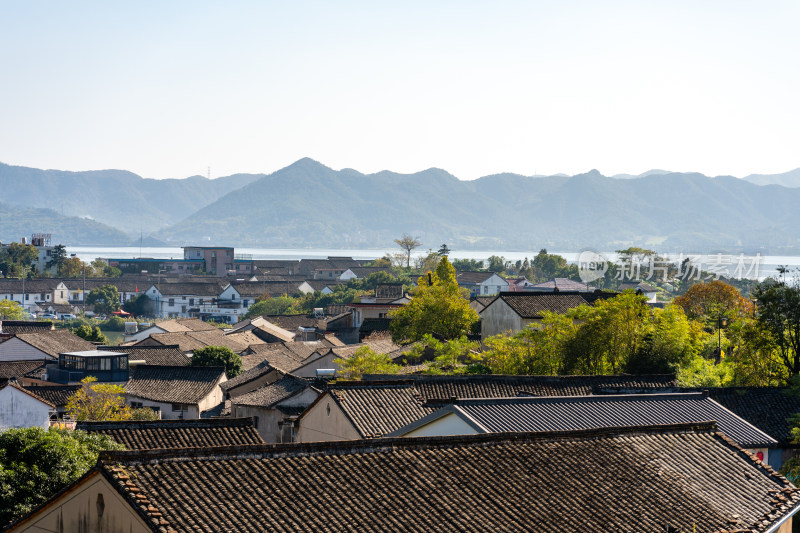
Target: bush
[218, 356]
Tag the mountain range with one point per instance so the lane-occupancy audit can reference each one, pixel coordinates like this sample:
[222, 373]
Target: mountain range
[310, 205]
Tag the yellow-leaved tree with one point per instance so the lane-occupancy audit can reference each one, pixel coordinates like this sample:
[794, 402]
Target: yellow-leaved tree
[439, 307]
[104, 402]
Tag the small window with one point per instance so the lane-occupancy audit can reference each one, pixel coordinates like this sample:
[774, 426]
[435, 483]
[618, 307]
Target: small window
[328, 409]
[137, 405]
[191, 301]
[180, 407]
[245, 303]
[255, 421]
[171, 302]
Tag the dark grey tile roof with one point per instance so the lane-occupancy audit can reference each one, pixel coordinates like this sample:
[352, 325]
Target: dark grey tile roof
[190, 289]
[170, 434]
[473, 276]
[563, 284]
[378, 408]
[25, 326]
[173, 384]
[767, 408]
[588, 412]
[677, 478]
[444, 387]
[269, 395]
[58, 395]
[532, 305]
[20, 369]
[170, 355]
[247, 376]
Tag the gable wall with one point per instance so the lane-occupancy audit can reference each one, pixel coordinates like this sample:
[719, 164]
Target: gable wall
[20, 410]
[77, 510]
[15, 350]
[317, 424]
[498, 318]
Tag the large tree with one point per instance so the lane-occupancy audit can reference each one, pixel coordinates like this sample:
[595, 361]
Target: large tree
[218, 356]
[779, 313]
[105, 299]
[36, 463]
[439, 307]
[710, 301]
[365, 361]
[408, 243]
[11, 310]
[57, 257]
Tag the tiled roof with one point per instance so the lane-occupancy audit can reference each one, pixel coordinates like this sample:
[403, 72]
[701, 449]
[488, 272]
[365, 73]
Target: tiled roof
[244, 338]
[170, 434]
[56, 341]
[378, 408]
[173, 384]
[275, 354]
[32, 286]
[669, 478]
[189, 289]
[563, 284]
[194, 340]
[364, 272]
[248, 375]
[292, 322]
[473, 276]
[177, 325]
[269, 395]
[19, 369]
[767, 408]
[482, 301]
[57, 395]
[170, 355]
[25, 326]
[588, 412]
[254, 289]
[432, 387]
[645, 287]
[389, 290]
[534, 304]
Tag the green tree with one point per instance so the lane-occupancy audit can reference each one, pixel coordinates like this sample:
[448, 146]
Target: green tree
[57, 257]
[439, 307]
[537, 349]
[218, 356]
[467, 265]
[497, 264]
[444, 250]
[11, 310]
[407, 243]
[105, 299]
[449, 357]
[753, 356]
[16, 258]
[365, 361]
[90, 334]
[36, 463]
[280, 305]
[668, 342]
[140, 305]
[779, 313]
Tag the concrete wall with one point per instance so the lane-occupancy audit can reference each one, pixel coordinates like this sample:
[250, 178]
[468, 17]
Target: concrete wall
[325, 421]
[78, 511]
[20, 410]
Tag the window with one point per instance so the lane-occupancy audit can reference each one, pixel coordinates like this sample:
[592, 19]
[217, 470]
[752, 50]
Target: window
[137, 405]
[191, 301]
[255, 421]
[27, 297]
[201, 301]
[245, 303]
[171, 302]
[485, 290]
[180, 407]
[183, 309]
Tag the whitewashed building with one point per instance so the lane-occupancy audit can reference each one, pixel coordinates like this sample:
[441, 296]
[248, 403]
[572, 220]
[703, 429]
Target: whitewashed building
[20, 408]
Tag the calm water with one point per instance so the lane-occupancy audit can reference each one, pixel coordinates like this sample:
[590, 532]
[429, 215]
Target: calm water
[767, 264]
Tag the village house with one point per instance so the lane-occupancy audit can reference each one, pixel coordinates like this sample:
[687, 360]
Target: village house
[675, 478]
[481, 283]
[175, 392]
[561, 285]
[185, 300]
[513, 311]
[276, 406]
[170, 434]
[175, 325]
[351, 410]
[641, 287]
[31, 294]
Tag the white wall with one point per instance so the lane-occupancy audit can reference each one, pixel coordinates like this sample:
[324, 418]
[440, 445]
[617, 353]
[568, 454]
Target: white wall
[325, 421]
[449, 424]
[15, 350]
[20, 410]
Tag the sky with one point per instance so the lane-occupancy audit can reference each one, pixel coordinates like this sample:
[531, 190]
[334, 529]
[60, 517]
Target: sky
[169, 89]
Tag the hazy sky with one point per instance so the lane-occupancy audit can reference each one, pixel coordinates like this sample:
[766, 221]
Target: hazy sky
[166, 89]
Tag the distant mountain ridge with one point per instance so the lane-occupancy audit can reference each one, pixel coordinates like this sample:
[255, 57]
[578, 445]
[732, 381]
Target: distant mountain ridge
[115, 197]
[16, 222]
[308, 204]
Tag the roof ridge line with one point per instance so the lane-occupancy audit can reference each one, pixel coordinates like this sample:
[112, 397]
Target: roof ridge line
[383, 443]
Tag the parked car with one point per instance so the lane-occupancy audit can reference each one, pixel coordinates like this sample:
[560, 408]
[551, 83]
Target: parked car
[49, 316]
[68, 316]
